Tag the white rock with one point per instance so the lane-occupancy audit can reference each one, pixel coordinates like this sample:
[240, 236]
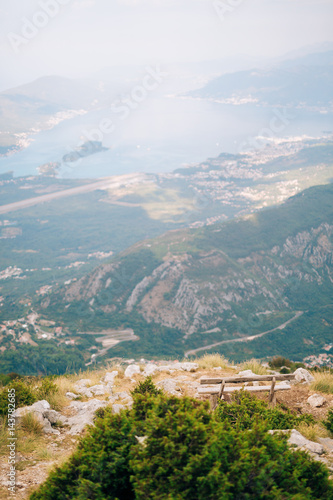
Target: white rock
[39, 410]
[247, 373]
[54, 416]
[71, 395]
[285, 383]
[85, 413]
[84, 382]
[150, 369]
[302, 375]
[40, 406]
[86, 392]
[81, 387]
[123, 395]
[166, 368]
[169, 385]
[113, 398]
[117, 408]
[327, 444]
[316, 400]
[132, 370]
[129, 403]
[186, 367]
[98, 390]
[300, 441]
[110, 376]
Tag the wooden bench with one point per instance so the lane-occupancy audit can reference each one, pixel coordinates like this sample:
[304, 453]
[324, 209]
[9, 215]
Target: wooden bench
[216, 387]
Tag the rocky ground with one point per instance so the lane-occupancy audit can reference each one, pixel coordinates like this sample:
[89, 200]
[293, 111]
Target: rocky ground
[37, 455]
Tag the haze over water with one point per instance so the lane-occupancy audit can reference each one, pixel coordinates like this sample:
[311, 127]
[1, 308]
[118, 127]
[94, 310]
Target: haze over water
[164, 135]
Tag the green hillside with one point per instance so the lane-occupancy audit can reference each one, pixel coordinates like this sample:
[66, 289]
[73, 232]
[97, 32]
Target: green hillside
[188, 290]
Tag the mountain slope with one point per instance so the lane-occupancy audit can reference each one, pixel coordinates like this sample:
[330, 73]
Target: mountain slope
[221, 282]
[300, 82]
[40, 105]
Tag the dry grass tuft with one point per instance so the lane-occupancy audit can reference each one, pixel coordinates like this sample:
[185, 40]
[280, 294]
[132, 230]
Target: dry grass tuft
[313, 431]
[44, 453]
[323, 382]
[209, 361]
[64, 383]
[31, 425]
[3, 437]
[28, 443]
[57, 400]
[255, 366]
[119, 369]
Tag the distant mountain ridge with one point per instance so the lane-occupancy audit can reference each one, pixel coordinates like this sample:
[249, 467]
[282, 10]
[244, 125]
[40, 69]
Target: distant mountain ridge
[305, 81]
[224, 281]
[39, 105]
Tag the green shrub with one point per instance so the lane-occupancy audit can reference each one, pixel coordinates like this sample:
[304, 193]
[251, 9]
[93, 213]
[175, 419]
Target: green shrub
[146, 388]
[46, 389]
[143, 396]
[329, 421]
[5, 379]
[99, 469]
[284, 363]
[195, 460]
[280, 361]
[24, 395]
[245, 409]
[285, 370]
[186, 454]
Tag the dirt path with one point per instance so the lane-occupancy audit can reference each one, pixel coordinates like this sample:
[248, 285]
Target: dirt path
[244, 339]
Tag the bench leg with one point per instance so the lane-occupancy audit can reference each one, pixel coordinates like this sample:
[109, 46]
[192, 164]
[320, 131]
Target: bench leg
[272, 398]
[273, 402]
[227, 398]
[213, 401]
[221, 389]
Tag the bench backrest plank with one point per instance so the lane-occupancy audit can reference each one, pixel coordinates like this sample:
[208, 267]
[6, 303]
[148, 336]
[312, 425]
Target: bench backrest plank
[260, 388]
[235, 380]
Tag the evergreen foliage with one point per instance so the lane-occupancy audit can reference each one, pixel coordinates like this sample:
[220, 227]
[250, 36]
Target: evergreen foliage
[172, 448]
[24, 395]
[329, 421]
[46, 389]
[245, 410]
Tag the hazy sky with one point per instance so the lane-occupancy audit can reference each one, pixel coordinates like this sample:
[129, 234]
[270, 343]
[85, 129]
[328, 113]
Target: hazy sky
[77, 37]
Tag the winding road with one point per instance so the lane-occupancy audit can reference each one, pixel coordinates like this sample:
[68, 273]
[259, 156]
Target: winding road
[244, 339]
